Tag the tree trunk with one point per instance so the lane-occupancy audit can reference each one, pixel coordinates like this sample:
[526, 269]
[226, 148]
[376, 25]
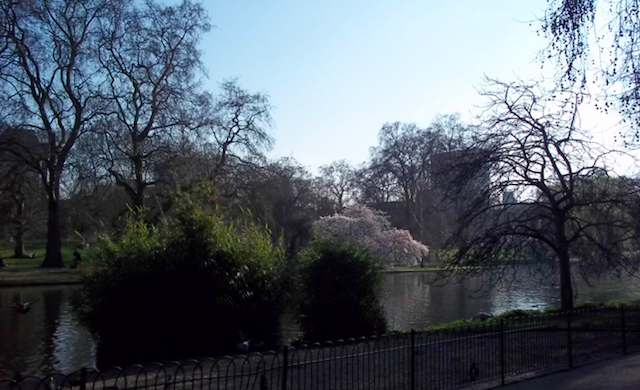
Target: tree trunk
[138, 202]
[18, 234]
[566, 290]
[53, 257]
[140, 182]
[18, 249]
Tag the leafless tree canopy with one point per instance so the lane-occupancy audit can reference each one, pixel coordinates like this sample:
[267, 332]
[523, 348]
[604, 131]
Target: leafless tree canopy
[566, 203]
[337, 182]
[149, 57]
[21, 195]
[48, 84]
[239, 124]
[402, 170]
[578, 44]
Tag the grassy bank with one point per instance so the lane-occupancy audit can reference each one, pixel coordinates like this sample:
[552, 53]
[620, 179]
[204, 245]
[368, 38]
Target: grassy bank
[37, 247]
[397, 270]
[27, 272]
[520, 314]
[39, 276]
[429, 268]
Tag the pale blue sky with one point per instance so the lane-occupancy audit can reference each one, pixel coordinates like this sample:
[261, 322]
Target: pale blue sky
[336, 71]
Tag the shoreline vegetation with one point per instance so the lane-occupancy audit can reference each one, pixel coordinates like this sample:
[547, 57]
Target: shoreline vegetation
[519, 313]
[17, 274]
[27, 272]
[23, 272]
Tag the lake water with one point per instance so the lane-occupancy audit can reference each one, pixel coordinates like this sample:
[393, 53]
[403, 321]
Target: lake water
[48, 338]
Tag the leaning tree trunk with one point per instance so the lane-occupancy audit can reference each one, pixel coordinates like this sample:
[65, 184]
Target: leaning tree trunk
[18, 234]
[53, 258]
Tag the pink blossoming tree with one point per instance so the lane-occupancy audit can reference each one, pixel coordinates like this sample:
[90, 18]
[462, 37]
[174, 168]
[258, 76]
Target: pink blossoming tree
[370, 229]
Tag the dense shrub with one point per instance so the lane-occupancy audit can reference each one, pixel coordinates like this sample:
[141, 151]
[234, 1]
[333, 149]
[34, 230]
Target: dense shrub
[340, 292]
[184, 289]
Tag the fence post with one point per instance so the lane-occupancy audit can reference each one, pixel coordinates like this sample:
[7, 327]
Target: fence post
[413, 359]
[569, 351]
[502, 349]
[285, 361]
[83, 378]
[624, 330]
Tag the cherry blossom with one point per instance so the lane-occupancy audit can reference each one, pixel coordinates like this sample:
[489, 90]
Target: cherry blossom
[371, 230]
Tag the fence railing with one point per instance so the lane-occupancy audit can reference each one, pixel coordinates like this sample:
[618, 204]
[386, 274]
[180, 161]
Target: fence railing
[491, 352]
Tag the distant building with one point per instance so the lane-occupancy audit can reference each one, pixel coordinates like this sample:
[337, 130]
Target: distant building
[461, 175]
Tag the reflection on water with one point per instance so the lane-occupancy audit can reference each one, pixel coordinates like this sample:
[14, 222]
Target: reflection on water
[413, 303]
[48, 338]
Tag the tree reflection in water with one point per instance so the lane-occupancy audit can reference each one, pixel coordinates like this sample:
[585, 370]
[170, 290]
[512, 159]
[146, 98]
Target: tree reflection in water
[48, 337]
[45, 339]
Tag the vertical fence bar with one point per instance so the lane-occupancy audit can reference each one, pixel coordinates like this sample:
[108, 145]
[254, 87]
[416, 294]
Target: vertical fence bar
[502, 350]
[569, 351]
[285, 362]
[624, 330]
[83, 378]
[413, 359]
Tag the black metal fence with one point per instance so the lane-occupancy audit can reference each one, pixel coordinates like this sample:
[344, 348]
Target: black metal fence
[491, 353]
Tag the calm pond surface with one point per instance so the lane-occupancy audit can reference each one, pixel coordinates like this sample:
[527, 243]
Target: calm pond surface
[49, 339]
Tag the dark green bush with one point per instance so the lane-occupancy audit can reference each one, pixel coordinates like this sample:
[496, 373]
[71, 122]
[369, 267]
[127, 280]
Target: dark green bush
[185, 289]
[340, 293]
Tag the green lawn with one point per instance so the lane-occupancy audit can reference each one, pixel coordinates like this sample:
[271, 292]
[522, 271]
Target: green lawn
[27, 271]
[37, 247]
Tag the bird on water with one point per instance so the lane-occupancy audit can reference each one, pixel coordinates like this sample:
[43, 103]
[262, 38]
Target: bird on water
[22, 307]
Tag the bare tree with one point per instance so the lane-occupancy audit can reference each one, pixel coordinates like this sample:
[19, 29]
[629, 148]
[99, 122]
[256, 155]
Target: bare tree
[373, 184]
[239, 124]
[151, 60]
[20, 185]
[48, 84]
[447, 133]
[228, 151]
[337, 180]
[567, 204]
[578, 44]
[280, 194]
[404, 154]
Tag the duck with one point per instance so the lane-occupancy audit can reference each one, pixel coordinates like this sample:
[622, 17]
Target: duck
[23, 307]
[248, 344]
[243, 346]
